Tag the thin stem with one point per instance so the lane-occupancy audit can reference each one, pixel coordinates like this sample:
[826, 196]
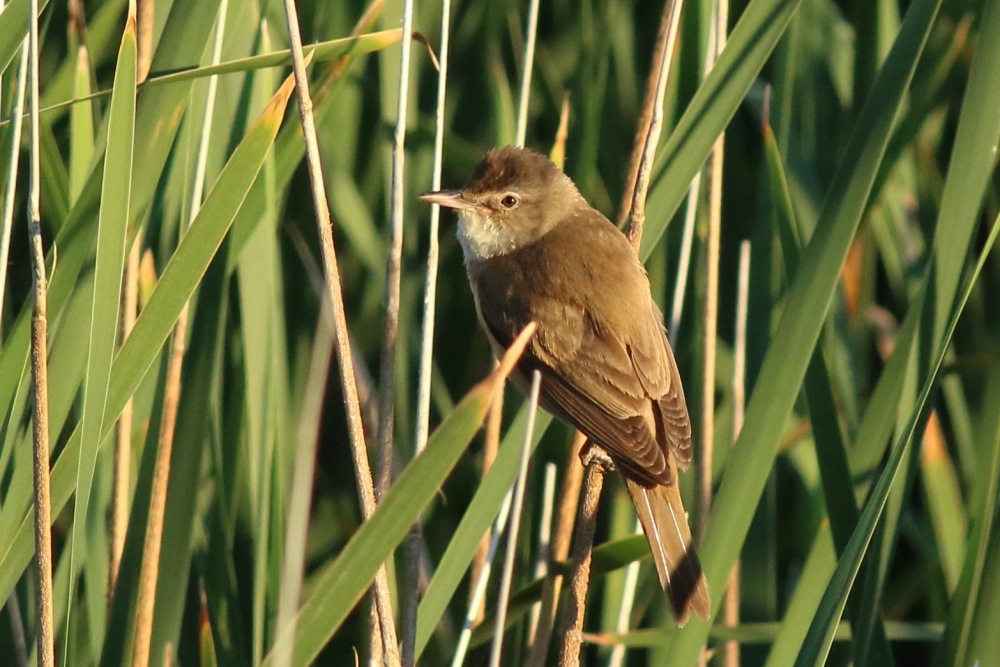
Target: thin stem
[528, 65]
[158, 497]
[710, 314]
[617, 657]
[684, 261]
[387, 369]
[491, 444]
[731, 603]
[150, 571]
[544, 540]
[359, 452]
[482, 579]
[39, 369]
[637, 218]
[12, 166]
[410, 591]
[515, 524]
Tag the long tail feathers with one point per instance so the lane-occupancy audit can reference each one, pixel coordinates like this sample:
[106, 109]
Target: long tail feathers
[665, 524]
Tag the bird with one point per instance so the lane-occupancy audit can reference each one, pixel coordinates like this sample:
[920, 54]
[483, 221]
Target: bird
[535, 250]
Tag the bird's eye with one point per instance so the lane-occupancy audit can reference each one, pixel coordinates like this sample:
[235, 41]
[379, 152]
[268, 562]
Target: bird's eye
[509, 201]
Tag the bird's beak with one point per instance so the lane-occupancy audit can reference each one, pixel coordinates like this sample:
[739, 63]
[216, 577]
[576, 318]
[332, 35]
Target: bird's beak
[452, 199]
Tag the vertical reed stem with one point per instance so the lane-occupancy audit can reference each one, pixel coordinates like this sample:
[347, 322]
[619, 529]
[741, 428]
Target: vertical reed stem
[39, 369]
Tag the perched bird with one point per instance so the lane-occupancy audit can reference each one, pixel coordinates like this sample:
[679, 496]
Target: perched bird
[535, 250]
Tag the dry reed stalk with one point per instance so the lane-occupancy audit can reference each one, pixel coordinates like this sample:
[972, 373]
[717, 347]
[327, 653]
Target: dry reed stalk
[144, 38]
[569, 648]
[149, 574]
[393, 268]
[544, 540]
[39, 369]
[359, 453]
[710, 314]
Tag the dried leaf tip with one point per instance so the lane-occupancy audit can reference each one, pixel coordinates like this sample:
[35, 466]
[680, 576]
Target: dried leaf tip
[510, 358]
[276, 106]
[420, 37]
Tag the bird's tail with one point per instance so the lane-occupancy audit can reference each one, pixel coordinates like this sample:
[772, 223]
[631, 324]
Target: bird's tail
[665, 523]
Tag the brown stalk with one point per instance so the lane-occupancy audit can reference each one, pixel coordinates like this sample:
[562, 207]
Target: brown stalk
[569, 649]
[149, 574]
[39, 373]
[362, 469]
[393, 269]
[710, 315]
[648, 104]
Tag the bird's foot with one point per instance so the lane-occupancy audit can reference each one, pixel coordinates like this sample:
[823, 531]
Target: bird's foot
[593, 453]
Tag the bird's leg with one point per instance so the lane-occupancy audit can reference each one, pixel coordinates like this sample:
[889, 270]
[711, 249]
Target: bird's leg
[594, 453]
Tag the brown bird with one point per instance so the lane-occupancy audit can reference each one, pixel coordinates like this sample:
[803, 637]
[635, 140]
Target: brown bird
[535, 250]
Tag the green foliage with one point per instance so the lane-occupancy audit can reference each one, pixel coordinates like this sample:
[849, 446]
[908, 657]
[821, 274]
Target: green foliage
[867, 183]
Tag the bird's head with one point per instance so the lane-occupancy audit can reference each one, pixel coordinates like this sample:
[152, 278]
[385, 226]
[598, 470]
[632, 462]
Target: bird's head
[512, 199]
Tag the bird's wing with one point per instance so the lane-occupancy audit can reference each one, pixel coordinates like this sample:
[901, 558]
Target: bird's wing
[654, 365]
[589, 378]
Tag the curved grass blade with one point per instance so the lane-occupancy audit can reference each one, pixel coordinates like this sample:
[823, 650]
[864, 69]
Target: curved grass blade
[342, 584]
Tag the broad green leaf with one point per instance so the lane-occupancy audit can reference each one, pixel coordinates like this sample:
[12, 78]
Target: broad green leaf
[81, 148]
[109, 266]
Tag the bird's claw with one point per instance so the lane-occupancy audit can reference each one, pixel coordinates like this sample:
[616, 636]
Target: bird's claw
[593, 453]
